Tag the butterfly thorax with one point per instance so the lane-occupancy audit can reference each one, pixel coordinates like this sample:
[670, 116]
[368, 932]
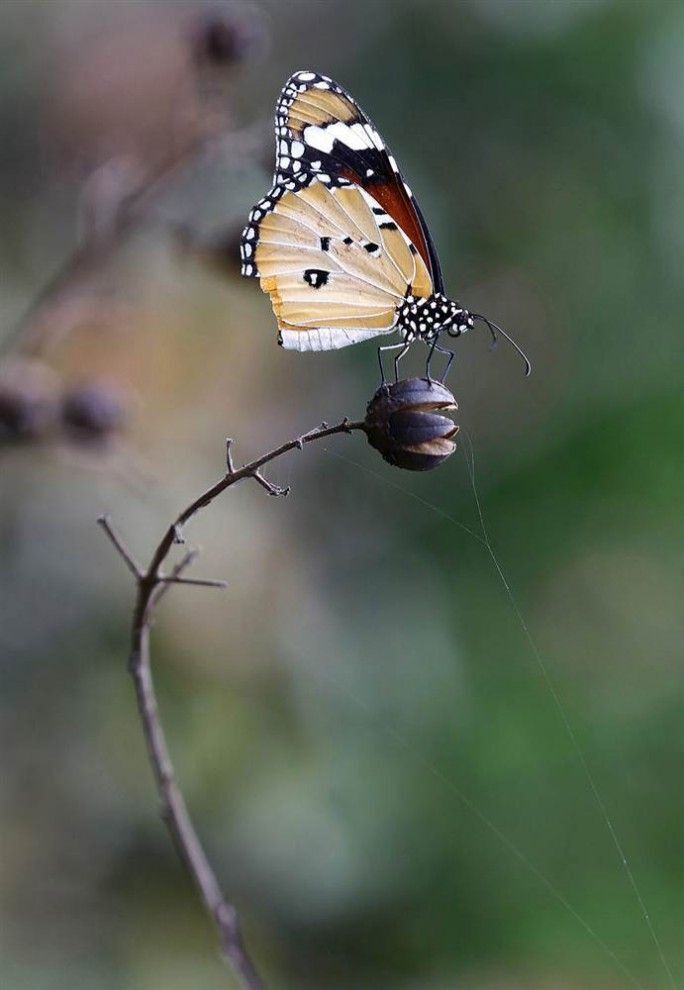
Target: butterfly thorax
[429, 316]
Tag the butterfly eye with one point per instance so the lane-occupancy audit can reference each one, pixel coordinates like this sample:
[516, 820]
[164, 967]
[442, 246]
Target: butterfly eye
[463, 321]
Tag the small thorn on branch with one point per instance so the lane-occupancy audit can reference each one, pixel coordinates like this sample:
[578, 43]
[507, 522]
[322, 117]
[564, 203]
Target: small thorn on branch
[178, 534]
[299, 443]
[120, 546]
[229, 455]
[200, 582]
[164, 583]
[185, 562]
[272, 489]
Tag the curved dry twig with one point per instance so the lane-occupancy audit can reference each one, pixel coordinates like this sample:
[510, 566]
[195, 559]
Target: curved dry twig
[152, 584]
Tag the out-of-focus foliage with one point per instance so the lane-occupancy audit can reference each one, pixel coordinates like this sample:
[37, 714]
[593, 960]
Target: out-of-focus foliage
[365, 671]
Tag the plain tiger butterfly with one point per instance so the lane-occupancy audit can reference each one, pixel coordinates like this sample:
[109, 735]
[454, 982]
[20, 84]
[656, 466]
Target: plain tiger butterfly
[339, 243]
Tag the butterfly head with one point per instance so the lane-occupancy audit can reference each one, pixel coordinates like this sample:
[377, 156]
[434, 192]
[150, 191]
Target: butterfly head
[458, 321]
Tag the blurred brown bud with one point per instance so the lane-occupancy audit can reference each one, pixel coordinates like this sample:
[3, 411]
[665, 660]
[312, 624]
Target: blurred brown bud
[91, 413]
[226, 36]
[404, 422]
[29, 400]
[219, 251]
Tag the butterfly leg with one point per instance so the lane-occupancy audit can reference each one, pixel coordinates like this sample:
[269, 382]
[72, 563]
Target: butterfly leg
[391, 347]
[397, 359]
[431, 351]
[450, 358]
[434, 346]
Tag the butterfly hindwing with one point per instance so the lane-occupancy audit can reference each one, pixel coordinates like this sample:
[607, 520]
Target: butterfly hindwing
[336, 271]
[321, 129]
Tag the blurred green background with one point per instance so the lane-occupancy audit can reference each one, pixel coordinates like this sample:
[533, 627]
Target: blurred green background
[365, 666]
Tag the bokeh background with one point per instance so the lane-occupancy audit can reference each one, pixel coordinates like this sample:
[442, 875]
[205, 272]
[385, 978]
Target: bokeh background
[357, 705]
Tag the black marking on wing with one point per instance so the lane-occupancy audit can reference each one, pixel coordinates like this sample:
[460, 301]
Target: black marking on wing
[316, 277]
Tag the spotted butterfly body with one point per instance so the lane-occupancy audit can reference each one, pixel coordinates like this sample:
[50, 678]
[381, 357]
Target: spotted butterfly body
[339, 243]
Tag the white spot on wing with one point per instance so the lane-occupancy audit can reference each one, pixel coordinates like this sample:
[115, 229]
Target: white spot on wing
[375, 137]
[323, 138]
[358, 135]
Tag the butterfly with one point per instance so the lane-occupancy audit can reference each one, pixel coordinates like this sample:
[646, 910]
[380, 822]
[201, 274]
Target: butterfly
[339, 243]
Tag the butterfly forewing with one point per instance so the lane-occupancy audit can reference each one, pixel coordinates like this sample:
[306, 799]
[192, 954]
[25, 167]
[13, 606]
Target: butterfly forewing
[336, 270]
[320, 128]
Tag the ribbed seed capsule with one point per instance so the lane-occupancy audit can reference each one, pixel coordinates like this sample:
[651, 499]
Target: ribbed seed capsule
[404, 422]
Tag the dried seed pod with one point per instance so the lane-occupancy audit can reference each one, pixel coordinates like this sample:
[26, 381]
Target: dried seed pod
[29, 400]
[92, 413]
[404, 422]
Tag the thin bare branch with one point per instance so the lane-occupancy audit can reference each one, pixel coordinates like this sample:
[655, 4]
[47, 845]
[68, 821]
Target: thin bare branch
[186, 560]
[152, 585]
[200, 582]
[121, 547]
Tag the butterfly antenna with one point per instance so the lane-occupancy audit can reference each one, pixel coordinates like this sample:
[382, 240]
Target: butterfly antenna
[494, 329]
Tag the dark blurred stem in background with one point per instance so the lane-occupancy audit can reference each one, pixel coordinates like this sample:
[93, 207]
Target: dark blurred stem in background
[117, 198]
[152, 584]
